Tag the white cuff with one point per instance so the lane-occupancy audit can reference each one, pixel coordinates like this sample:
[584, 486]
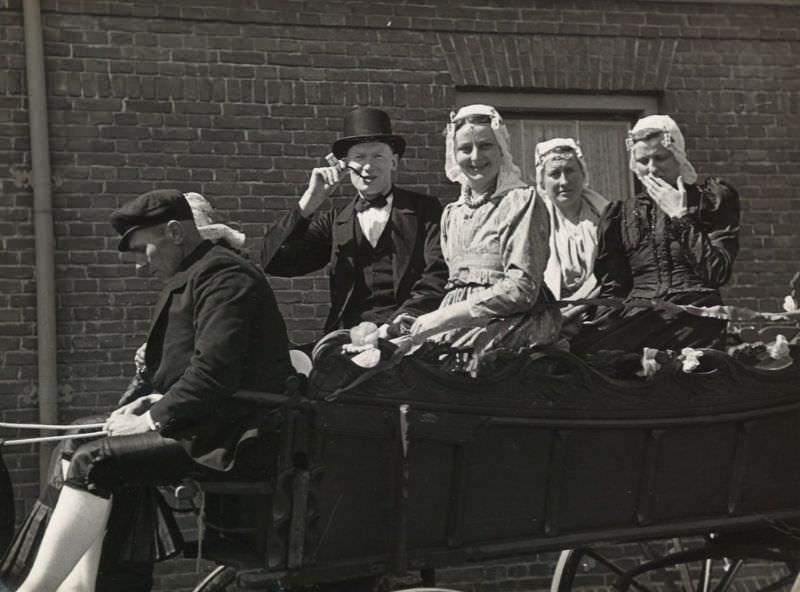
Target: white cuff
[150, 423]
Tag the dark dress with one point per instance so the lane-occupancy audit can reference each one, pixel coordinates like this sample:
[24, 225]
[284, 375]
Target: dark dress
[644, 254]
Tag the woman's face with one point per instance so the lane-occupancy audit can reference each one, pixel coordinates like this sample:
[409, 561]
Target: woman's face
[478, 155]
[563, 180]
[651, 157]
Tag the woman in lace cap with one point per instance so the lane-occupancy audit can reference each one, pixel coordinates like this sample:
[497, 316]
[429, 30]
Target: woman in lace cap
[675, 241]
[495, 244]
[562, 179]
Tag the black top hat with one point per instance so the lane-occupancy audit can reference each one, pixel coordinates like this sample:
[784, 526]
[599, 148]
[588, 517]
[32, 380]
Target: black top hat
[367, 124]
[149, 209]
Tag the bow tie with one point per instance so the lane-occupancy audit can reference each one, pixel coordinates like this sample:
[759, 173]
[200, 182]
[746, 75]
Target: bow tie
[365, 204]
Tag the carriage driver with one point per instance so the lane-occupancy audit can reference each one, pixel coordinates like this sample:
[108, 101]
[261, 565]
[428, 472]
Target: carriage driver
[382, 249]
[216, 329]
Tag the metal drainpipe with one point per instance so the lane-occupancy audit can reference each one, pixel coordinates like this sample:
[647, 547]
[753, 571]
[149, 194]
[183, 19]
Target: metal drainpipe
[43, 225]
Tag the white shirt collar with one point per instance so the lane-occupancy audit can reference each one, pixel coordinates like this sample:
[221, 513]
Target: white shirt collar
[373, 221]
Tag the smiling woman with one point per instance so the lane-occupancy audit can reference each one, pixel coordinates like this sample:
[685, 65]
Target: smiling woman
[494, 241]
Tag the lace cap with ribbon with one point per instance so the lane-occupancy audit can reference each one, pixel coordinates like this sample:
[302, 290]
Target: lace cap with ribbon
[509, 176]
[671, 138]
[203, 215]
[554, 148]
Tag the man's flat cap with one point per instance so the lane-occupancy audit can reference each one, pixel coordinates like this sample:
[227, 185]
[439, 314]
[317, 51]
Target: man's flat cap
[149, 209]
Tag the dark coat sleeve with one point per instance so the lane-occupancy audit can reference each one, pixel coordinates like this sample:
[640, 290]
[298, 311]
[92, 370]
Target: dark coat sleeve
[612, 268]
[295, 245]
[225, 303]
[428, 290]
[709, 233]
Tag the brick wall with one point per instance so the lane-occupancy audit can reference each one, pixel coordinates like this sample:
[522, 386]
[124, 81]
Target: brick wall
[239, 100]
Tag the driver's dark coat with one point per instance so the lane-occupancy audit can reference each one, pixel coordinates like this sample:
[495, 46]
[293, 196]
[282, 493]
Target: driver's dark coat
[216, 330]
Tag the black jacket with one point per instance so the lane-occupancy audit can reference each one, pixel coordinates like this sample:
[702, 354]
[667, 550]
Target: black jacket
[296, 246]
[216, 330]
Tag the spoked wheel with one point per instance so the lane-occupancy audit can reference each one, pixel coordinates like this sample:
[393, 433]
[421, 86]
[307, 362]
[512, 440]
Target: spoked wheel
[222, 579]
[675, 566]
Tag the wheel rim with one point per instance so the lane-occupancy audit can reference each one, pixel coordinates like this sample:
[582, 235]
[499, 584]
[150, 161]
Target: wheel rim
[221, 575]
[709, 567]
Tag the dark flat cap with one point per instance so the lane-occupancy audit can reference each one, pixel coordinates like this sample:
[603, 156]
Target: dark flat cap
[149, 209]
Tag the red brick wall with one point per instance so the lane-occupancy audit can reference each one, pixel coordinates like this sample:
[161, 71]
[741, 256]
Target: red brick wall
[239, 100]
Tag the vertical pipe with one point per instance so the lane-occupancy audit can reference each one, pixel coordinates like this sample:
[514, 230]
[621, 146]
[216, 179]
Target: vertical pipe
[43, 224]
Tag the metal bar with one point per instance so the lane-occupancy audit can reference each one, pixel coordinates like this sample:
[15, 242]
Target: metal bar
[683, 569]
[44, 240]
[704, 581]
[739, 466]
[455, 514]
[644, 504]
[634, 421]
[727, 579]
[401, 499]
[650, 422]
[297, 524]
[552, 513]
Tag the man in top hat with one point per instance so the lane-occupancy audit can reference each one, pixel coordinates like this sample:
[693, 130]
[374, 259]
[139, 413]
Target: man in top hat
[383, 248]
[216, 330]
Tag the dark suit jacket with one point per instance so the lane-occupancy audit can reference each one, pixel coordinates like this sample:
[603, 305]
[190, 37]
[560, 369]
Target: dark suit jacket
[217, 329]
[296, 246]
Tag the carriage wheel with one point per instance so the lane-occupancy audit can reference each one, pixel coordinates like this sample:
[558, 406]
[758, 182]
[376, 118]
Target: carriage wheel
[670, 566]
[222, 579]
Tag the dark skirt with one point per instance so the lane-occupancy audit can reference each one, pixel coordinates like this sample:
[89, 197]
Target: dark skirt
[633, 329]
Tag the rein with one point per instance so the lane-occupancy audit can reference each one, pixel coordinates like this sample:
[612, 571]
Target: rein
[98, 427]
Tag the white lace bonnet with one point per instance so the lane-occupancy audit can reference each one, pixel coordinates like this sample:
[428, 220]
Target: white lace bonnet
[671, 138]
[557, 148]
[204, 220]
[509, 176]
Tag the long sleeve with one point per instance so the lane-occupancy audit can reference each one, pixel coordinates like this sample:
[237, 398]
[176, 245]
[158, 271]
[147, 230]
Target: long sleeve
[524, 251]
[709, 234]
[225, 303]
[428, 289]
[295, 245]
[612, 268]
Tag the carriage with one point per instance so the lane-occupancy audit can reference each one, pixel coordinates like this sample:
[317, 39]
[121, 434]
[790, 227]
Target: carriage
[405, 467]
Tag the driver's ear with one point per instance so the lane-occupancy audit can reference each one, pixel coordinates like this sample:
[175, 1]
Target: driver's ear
[175, 231]
[395, 161]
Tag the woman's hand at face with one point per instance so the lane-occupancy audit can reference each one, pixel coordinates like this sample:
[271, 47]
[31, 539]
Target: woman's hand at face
[672, 201]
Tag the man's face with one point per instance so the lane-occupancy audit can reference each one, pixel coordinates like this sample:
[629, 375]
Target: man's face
[376, 162]
[651, 157]
[156, 250]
